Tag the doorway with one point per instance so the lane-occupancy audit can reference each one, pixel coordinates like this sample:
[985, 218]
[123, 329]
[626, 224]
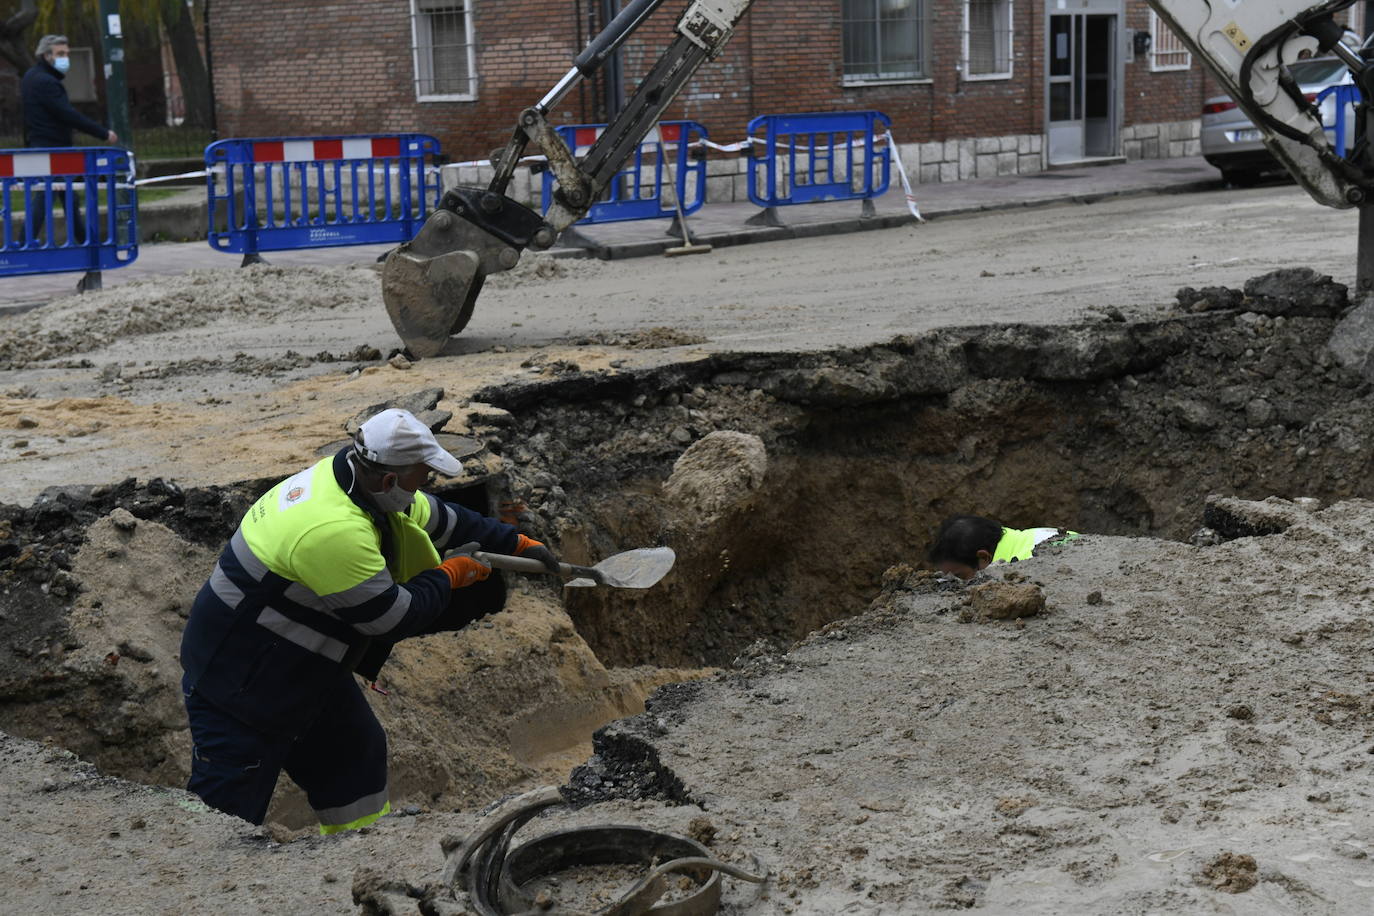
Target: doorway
[1082, 84]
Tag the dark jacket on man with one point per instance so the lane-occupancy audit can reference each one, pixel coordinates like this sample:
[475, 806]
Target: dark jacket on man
[48, 114]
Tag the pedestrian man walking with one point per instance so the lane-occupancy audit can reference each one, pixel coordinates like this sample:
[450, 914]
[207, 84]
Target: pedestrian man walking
[49, 120]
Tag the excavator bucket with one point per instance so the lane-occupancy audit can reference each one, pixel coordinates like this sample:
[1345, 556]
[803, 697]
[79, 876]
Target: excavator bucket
[431, 283]
[429, 299]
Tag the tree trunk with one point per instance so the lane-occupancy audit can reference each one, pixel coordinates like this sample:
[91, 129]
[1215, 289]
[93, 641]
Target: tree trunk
[178, 19]
[14, 47]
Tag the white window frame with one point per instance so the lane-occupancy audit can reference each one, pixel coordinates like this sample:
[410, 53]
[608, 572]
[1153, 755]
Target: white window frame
[1161, 34]
[927, 52]
[1011, 37]
[417, 48]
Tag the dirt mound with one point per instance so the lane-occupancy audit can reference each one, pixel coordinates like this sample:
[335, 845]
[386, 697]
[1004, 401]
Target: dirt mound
[94, 612]
[1293, 292]
[90, 321]
[1229, 518]
[534, 267]
[899, 759]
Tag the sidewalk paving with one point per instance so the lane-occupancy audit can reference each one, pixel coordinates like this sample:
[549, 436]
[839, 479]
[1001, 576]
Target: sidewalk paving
[719, 225]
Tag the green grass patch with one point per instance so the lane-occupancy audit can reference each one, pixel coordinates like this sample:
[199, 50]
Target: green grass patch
[148, 142]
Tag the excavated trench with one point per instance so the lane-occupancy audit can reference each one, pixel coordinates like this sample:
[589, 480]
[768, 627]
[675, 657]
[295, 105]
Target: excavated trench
[786, 483]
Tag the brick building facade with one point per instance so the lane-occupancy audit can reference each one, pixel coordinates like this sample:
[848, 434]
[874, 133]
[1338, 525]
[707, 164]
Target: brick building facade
[296, 67]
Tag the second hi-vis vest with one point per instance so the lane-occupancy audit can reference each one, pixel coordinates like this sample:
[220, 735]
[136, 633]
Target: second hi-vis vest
[1020, 544]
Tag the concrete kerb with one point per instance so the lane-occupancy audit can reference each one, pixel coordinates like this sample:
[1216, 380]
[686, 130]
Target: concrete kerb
[723, 239]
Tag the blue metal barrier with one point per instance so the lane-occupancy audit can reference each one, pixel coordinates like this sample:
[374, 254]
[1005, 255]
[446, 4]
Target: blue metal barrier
[636, 191]
[99, 206]
[283, 193]
[804, 158]
[1346, 97]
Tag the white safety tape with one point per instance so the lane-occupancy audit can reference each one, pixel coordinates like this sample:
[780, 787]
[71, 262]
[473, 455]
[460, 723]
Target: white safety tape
[720, 147]
[906, 182]
[430, 171]
[160, 178]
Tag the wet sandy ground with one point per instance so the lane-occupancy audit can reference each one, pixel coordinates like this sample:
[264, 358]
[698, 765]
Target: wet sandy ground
[1174, 711]
[1107, 786]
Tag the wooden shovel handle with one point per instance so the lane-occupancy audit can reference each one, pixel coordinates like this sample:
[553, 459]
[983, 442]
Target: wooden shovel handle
[528, 565]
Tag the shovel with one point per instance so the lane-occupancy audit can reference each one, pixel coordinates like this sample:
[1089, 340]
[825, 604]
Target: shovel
[640, 568]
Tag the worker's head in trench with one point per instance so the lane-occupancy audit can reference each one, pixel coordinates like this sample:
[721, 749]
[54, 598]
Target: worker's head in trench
[965, 544]
[395, 455]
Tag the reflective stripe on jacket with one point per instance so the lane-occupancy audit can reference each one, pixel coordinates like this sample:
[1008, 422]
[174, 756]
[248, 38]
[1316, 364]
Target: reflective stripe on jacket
[304, 587]
[1020, 544]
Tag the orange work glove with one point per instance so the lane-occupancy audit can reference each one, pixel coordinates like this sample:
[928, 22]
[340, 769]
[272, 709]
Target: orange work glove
[463, 569]
[529, 547]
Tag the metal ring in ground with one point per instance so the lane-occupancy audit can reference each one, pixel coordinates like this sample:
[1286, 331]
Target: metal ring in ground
[609, 845]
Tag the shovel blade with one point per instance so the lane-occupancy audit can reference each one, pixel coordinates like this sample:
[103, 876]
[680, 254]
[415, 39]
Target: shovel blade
[640, 568]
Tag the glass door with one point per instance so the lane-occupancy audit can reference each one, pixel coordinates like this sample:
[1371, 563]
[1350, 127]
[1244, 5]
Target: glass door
[1066, 87]
[1081, 81]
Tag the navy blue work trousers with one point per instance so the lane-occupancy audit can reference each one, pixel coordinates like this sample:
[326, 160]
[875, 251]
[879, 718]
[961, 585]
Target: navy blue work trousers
[338, 760]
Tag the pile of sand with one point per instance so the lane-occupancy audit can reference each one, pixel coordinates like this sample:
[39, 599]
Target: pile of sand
[82, 323]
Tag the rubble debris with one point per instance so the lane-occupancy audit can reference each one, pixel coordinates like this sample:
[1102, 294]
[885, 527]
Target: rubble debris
[1297, 292]
[656, 338]
[421, 403]
[1292, 292]
[1002, 601]
[1233, 873]
[1229, 518]
[1209, 298]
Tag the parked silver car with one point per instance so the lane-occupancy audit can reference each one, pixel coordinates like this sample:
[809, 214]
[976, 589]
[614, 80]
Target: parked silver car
[1231, 141]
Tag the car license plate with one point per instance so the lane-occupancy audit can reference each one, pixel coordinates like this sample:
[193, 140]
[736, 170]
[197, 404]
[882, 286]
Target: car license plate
[1244, 136]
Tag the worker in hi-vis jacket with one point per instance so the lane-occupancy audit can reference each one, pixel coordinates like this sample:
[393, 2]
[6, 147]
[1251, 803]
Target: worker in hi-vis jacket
[326, 572]
[966, 544]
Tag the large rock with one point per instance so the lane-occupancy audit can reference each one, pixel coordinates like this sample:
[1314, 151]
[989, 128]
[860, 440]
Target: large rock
[1233, 518]
[719, 472]
[1352, 340]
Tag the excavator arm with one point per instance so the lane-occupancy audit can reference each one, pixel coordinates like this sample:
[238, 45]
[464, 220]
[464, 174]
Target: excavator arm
[1248, 46]
[430, 284]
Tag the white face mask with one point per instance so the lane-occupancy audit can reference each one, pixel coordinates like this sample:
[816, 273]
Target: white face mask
[397, 499]
[62, 64]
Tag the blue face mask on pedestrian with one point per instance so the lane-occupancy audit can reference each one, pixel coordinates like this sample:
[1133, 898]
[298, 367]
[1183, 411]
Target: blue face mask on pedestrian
[62, 64]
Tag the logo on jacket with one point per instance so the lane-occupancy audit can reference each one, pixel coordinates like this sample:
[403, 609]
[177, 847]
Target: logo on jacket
[294, 490]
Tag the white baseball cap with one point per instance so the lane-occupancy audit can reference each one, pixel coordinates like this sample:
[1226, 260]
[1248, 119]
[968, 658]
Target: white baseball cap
[396, 438]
